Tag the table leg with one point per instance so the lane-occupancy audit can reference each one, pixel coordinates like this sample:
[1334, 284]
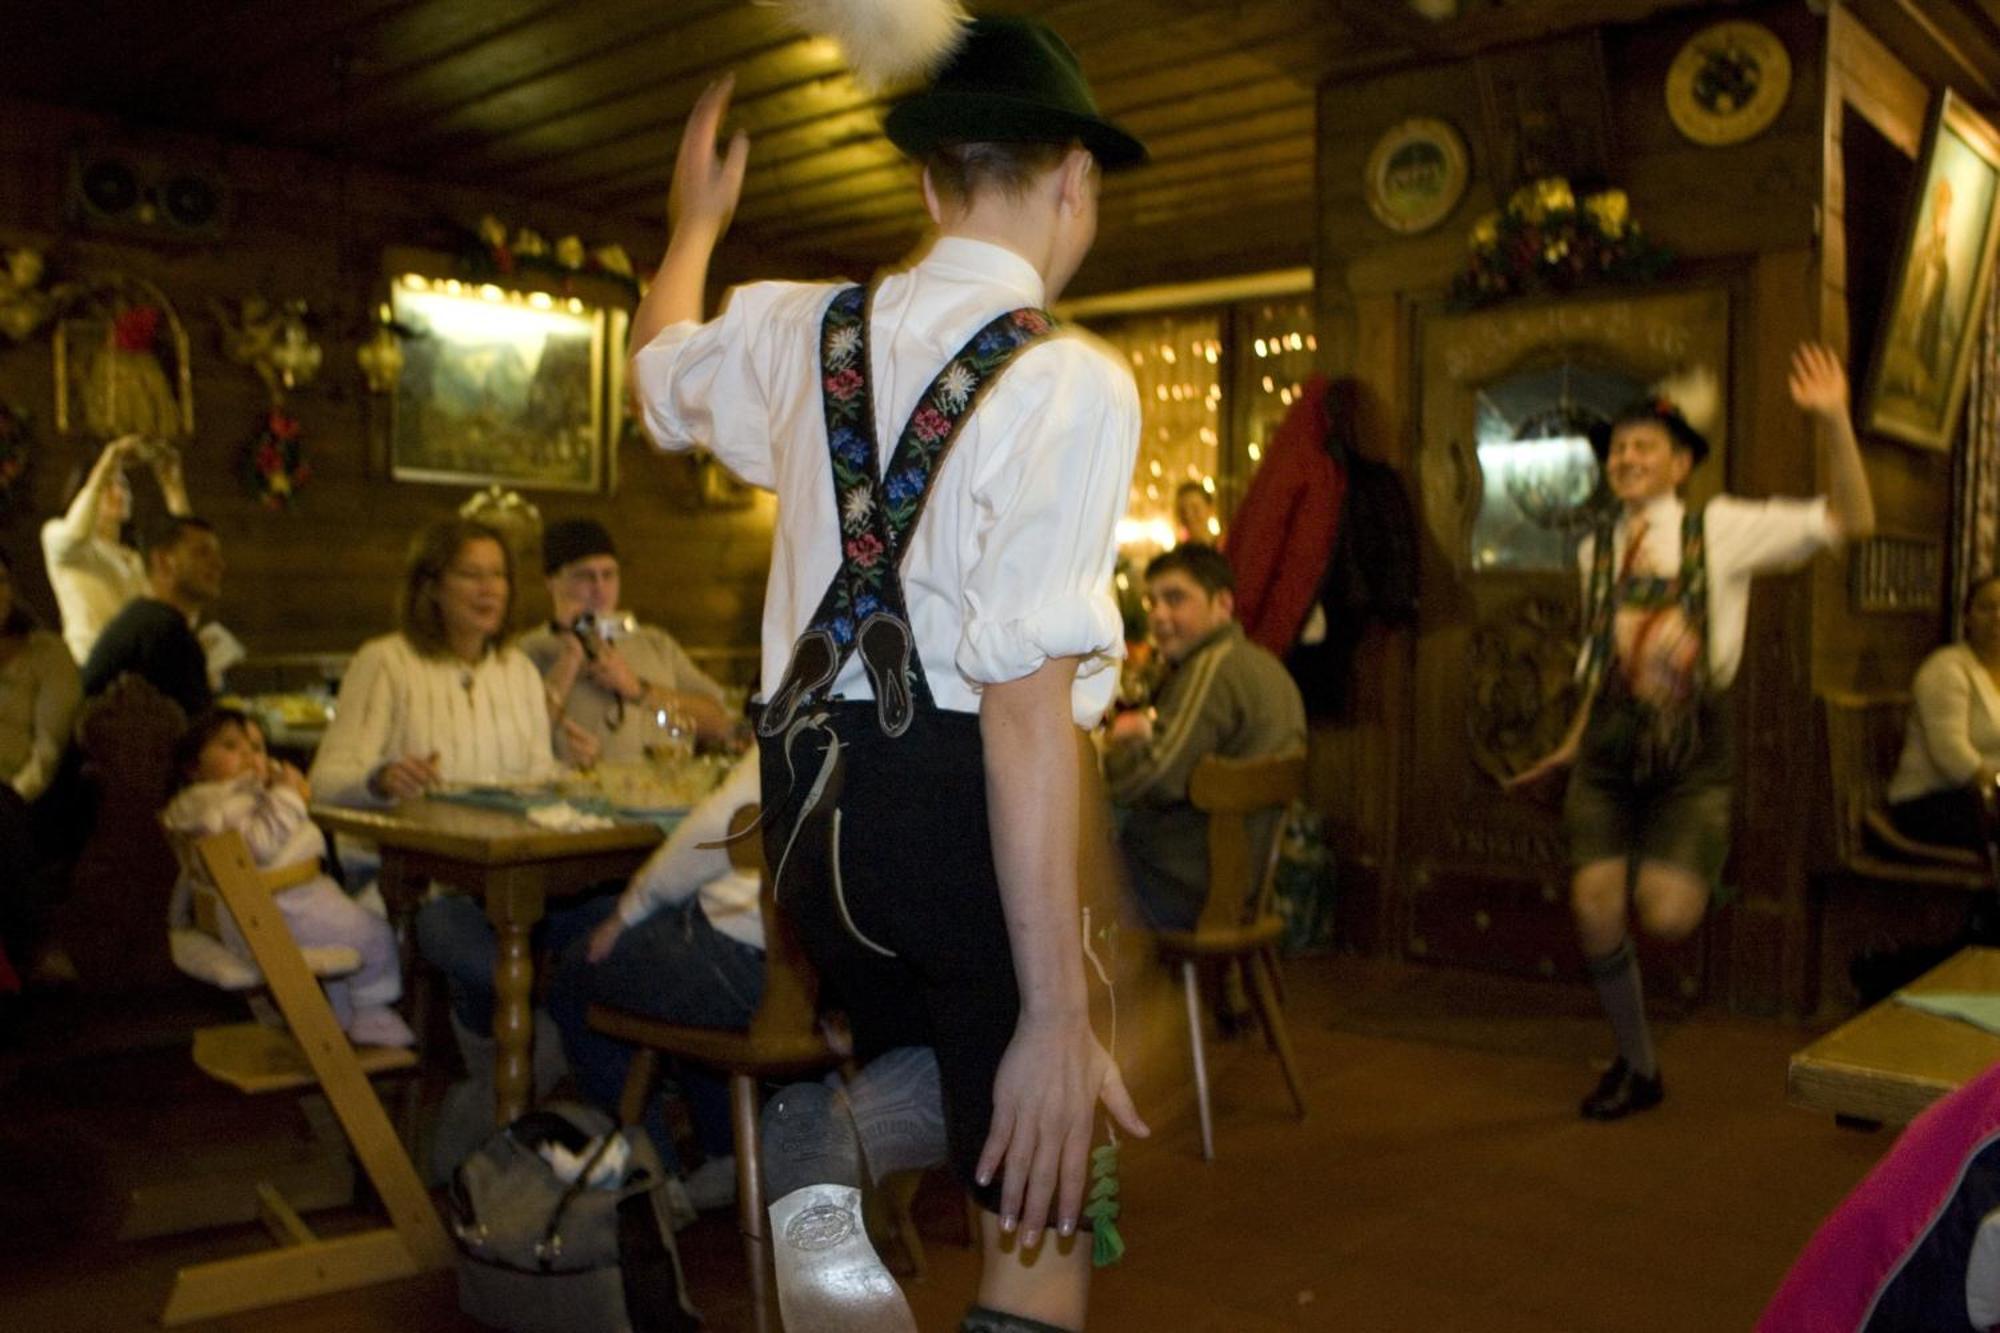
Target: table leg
[513, 905]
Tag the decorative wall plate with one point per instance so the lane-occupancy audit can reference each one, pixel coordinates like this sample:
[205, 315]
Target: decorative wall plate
[1416, 175]
[1728, 83]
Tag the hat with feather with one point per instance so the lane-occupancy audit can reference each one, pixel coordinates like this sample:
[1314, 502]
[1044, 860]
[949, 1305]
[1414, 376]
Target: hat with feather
[1685, 404]
[987, 80]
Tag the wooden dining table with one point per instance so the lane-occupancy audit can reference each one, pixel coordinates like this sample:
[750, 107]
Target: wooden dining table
[1889, 1062]
[514, 866]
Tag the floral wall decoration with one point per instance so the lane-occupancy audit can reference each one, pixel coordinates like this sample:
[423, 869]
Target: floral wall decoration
[274, 462]
[121, 362]
[489, 249]
[272, 339]
[1548, 241]
[25, 302]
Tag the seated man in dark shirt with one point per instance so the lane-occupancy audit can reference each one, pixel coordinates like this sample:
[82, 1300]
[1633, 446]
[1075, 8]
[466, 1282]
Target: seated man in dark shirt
[154, 636]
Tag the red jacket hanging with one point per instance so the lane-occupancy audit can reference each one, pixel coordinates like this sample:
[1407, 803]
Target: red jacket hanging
[1283, 531]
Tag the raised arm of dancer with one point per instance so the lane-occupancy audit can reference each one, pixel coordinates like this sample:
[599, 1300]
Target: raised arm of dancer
[1819, 386]
[706, 187]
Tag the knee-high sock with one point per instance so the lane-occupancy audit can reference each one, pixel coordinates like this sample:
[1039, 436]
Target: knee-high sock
[979, 1319]
[1616, 977]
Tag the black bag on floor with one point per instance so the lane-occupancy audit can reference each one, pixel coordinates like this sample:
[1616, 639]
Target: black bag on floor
[563, 1227]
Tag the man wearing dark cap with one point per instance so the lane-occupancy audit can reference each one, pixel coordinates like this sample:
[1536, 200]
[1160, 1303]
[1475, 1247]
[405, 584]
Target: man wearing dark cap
[603, 670]
[1666, 599]
[938, 625]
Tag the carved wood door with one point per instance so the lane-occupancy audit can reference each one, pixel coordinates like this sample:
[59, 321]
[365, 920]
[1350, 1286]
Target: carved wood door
[1507, 486]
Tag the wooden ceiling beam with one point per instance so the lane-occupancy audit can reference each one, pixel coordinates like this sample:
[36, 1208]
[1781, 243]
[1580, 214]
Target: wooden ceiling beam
[619, 113]
[1240, 158]
[814, 164]
[643, 148]
[560, 47]
[892, 214]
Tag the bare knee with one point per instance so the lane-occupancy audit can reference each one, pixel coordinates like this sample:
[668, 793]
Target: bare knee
[1597, 899]
[1670, 902]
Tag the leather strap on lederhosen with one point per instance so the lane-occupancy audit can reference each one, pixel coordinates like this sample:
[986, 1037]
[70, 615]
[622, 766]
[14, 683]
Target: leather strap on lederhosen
[863, 608]
[1670, 733]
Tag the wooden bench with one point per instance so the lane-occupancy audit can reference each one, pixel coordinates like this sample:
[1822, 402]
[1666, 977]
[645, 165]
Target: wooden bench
[1872, 886]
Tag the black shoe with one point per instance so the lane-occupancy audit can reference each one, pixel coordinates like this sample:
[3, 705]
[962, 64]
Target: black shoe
[808, 1138]
[1621, 1093]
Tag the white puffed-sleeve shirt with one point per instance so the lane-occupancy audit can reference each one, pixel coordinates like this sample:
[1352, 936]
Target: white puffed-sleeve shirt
[485, 722]
[1011, 563]
[1743, 538]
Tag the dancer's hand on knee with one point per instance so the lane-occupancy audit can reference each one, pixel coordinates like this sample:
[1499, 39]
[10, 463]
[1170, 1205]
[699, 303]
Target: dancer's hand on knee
[1045, 1099]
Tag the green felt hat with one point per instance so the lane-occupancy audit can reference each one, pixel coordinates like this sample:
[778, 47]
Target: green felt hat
[1010, 81]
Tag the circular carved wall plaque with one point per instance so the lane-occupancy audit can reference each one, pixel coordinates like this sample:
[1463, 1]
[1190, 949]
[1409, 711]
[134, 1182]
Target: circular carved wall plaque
[1416, 175]
[1728, 83]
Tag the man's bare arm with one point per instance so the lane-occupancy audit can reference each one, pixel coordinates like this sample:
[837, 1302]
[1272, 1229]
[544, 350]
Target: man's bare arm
[706, 187]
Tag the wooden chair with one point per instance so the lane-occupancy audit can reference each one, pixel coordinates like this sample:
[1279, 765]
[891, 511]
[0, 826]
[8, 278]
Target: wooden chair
[1874, 888]
[258, 1058]
[1237, 923]
[1864, 737]
[783, 1040]
[124, 871]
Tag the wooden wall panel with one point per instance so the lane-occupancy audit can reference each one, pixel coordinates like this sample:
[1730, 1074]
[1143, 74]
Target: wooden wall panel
[322, 576]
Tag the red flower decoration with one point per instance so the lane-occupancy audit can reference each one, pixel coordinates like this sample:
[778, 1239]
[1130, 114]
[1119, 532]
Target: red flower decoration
[135, 328]
[930, 424]
[284, 427]
[845, 384]
[865, 550]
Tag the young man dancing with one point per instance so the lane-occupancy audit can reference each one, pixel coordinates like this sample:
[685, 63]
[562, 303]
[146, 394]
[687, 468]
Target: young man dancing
[938, 623]
[1666, 602]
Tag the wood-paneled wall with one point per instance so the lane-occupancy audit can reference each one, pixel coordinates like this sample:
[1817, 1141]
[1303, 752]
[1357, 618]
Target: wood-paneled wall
[1748, 218]
[322, 575]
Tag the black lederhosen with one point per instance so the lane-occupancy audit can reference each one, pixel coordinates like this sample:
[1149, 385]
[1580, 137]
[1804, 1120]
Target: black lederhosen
[1615, 809]
[899, 907]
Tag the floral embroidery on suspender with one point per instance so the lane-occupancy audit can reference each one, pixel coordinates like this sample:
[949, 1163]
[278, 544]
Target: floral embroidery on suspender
[877, 514]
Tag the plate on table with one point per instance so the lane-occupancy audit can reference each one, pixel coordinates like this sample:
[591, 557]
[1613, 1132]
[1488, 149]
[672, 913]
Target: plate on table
[643, 789]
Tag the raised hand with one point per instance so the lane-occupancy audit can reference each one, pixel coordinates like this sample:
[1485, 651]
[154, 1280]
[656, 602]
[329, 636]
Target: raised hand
[706, 187]
[1818, 381]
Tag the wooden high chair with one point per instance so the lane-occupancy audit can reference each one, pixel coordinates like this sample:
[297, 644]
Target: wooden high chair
[258, 1058]
[1237, 922]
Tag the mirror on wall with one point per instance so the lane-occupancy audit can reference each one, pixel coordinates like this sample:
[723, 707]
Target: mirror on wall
[1540, 486]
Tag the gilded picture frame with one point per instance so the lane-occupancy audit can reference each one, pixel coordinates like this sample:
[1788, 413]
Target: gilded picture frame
[1923, 346]
[502, 387]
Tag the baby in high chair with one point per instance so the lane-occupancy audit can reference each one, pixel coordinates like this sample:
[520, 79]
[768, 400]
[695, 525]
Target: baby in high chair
[227, 781]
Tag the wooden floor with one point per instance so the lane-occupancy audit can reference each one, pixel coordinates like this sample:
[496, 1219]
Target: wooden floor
[1442, 1181]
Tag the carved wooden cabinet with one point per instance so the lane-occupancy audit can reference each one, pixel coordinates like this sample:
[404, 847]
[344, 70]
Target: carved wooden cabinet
[1506, 486]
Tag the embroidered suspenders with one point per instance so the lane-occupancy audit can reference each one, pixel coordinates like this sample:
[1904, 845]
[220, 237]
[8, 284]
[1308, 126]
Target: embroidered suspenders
[863, 608]
[1608, 593]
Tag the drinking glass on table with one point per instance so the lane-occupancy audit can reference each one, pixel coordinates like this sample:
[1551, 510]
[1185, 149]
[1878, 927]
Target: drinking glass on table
[668, 740]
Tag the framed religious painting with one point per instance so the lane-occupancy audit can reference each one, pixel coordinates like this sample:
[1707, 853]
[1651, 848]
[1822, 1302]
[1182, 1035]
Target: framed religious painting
[1923, 348]
[502, 387]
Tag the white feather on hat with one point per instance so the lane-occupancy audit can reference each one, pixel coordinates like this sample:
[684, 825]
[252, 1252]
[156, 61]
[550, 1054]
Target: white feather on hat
[884, 42]
[1696, 394]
